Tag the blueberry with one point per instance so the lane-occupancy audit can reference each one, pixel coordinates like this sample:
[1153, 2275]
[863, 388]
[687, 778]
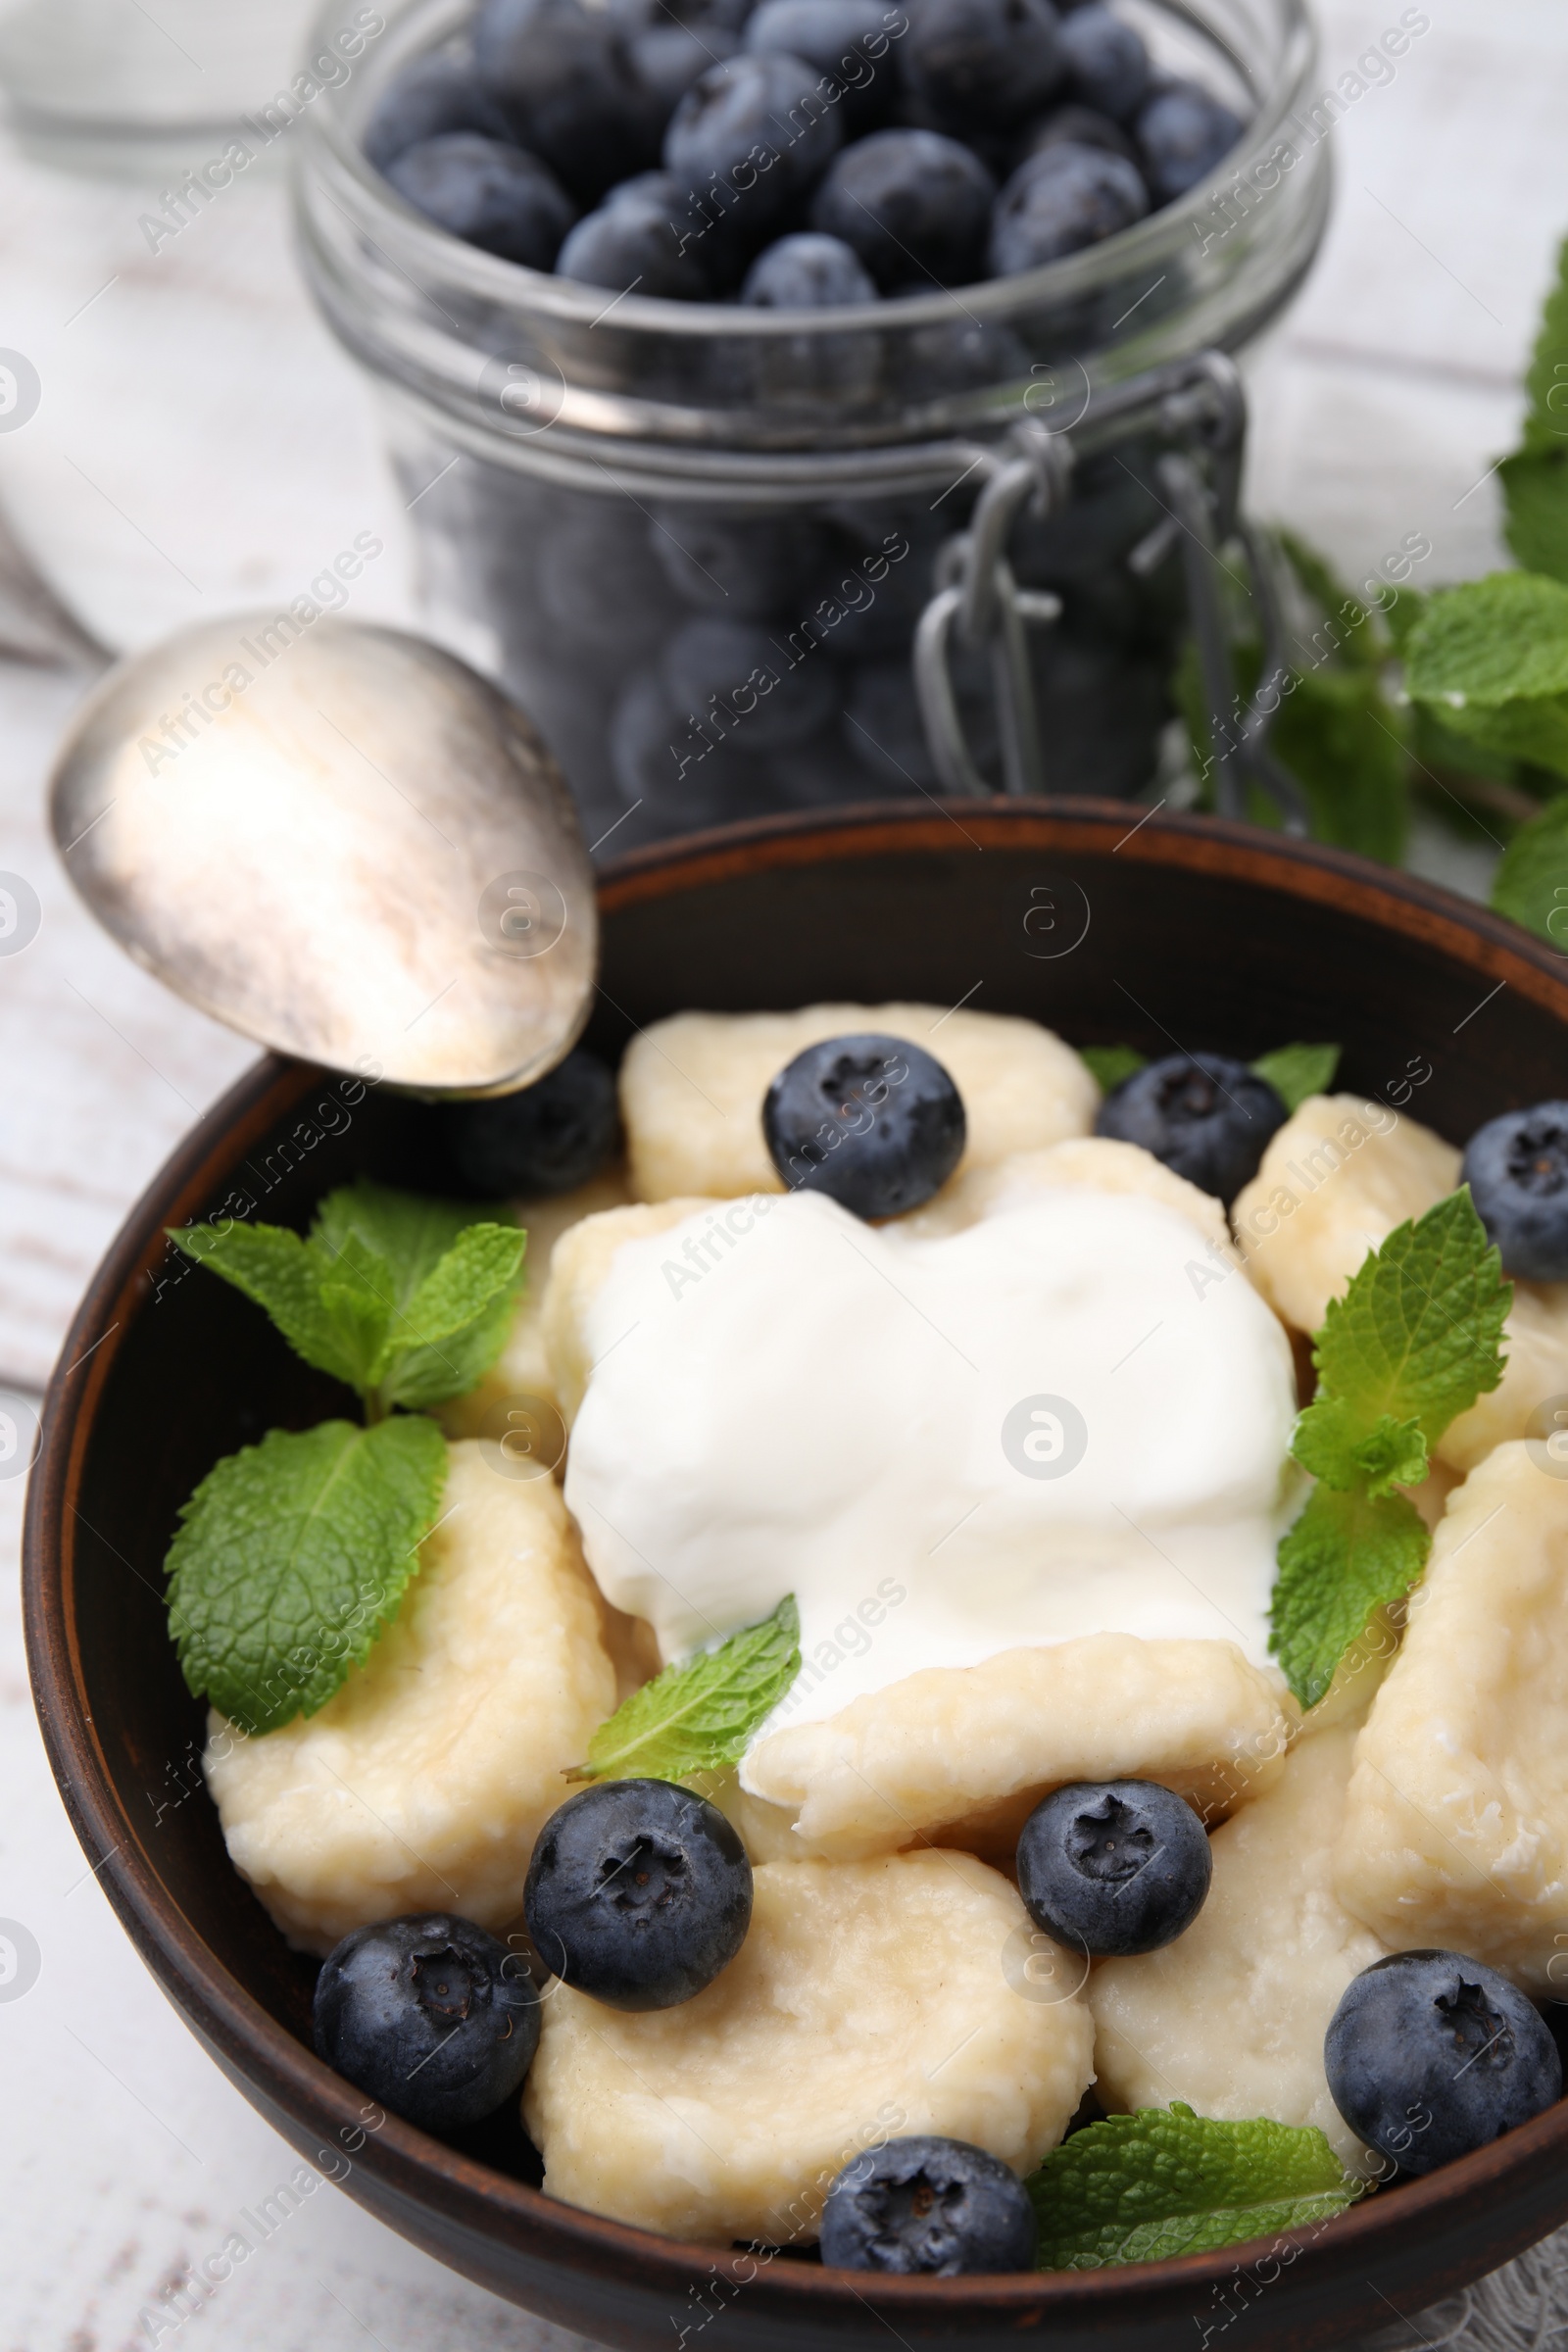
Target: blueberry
[638, 1893]
[912, 204]
[806, 271]
[877, 1124]
[598, 583]
[701, 16]
[734, 117]
[938, 2207]
[1113, 1867]
[667, 59]
[636, 242]
[499, 198]
[546, 1137]
[752, 567]
[1517, 1169]
[959, 354]
[1203, 1115]
[1063, 199]
[1181, 133]
[435, 93]
[562, 73]
[685, 779]
[430, 2016]
[810, 272]
[983, 63]
[845, 39]
[1078, 126]
[737, 679]
[1430, 2055]
[1106, 60]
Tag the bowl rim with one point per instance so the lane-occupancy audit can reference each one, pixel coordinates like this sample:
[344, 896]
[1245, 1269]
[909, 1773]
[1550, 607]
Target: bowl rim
[281, 2074]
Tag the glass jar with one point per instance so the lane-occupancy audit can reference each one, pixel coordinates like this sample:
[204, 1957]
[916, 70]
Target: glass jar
[692, 539]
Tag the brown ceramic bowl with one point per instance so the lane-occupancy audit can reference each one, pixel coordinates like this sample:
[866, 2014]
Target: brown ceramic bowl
[1178, 930]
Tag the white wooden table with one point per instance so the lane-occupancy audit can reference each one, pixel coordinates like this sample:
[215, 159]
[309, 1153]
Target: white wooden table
[200, 444]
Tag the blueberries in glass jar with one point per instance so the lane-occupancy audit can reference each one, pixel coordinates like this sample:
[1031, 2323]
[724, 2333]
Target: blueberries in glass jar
[806, 271]
[562, 73]
[747, 107]
[1061, 200]
[912, 204]
[734, 676]
[1113, 1868]
[430, 2016]
[877, 1124]
[639, 1894]
[928, 2207]
[635, 243]
[1430, 2055]
[847, 40]
[1181, 133]
[546, 1137]
[1106, 60]
[751, 567]
[983, 63]
[1517, 1169]
[432, 95]
[497, 197]
[1206, 1116]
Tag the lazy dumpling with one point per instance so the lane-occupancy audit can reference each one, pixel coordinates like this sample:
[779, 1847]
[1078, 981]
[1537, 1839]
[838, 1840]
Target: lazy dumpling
[423, 1783]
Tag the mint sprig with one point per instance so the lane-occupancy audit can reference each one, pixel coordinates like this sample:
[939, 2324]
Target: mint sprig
[1163, 2181]
[1292, 1071]
[1413, 1343]
[700, 1715]
[294, 1554]
[405, 1300]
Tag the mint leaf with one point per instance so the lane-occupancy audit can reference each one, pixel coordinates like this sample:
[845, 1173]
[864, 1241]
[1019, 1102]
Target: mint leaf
[355, 1289]
[1347, 1555]
[1413, 1344]
[1492, 660]
[1331, 1441]
[1547, 425]
[1347, 744]
[450, 1286]
[292, 1556]
[1296, 1071]
[1534, 495]
[410, 1232]
[1416, 1336]
[1163, 2181]
[699, 1716]
[275, 1268]
[1530, 884]
[1108, 1065]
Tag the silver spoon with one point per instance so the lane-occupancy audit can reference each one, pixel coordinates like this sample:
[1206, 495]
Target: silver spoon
[339, 841]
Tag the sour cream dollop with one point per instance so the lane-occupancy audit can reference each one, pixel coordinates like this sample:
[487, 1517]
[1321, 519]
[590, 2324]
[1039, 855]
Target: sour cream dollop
[1067, 1419]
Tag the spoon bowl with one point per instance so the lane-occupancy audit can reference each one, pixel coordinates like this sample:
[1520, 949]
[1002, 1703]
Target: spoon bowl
[340, 841]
